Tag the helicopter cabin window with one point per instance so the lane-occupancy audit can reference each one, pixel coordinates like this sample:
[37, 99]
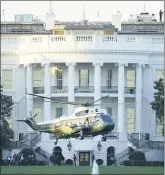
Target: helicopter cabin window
[37, 111]
[131, 78]
[81, 113]
[84, 77]
[59, 112]
[109, 79]
[59, 78]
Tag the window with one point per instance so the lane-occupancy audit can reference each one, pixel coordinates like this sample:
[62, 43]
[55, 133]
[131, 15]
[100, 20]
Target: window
[37, 77]
[84, 77]
[81, 113]
[130, 120]
[59, 78]
[59, 112]
[130, 78]
[7, 76]
[159, 74]
[109, 79]
[37, 111]
[109, 111]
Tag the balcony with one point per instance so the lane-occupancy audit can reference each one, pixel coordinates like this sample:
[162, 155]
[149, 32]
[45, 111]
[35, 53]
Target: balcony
[59, 89]
[129, 90]
[111, 90]
[38, 90]
[84, 89]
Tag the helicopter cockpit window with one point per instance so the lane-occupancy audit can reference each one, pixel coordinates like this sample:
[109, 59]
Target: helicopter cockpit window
[81, 113]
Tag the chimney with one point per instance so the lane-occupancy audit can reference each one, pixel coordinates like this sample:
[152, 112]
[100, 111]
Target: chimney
[50, 18]
[116, 20]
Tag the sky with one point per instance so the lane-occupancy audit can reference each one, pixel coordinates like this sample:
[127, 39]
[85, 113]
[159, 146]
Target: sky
[72, 10]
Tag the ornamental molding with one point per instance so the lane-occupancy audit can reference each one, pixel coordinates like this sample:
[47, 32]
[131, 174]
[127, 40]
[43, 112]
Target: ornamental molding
[84, 52]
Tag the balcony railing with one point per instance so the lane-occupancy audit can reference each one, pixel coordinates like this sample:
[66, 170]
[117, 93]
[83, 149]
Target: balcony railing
[129, 90]
[38, 90]
[106, 89]
[59, 89]
[84, 89]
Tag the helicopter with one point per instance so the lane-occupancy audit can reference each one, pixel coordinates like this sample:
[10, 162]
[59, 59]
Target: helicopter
[87, 119]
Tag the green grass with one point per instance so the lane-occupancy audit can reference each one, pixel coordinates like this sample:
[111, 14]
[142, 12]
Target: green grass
[79, 170]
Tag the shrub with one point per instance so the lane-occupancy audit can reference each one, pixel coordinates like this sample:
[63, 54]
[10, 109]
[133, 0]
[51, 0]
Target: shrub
[137, 155]
[69, 162]
[99, 161]
[26, 152]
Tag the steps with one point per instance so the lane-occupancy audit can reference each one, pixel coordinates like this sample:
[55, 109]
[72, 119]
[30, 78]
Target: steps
[139, 144]
[26, 143]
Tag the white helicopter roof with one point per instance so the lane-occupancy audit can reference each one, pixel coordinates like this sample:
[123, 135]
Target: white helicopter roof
[79, 109]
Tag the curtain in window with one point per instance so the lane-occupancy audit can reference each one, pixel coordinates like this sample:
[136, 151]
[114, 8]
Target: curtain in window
[130, 78]
[37, 77]
[59, 112]
[59, 78]
[84, 77]
[130, 120]
[109, 79]
[7, 77]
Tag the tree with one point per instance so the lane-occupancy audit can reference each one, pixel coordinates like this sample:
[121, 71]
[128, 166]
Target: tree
[158, 103]
[5, 130]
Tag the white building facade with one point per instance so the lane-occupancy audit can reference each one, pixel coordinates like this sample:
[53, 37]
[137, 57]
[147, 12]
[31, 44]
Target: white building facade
[83, 66]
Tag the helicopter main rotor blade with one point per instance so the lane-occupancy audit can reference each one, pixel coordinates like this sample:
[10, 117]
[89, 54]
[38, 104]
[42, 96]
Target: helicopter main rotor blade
[97, 101]
[56, 100]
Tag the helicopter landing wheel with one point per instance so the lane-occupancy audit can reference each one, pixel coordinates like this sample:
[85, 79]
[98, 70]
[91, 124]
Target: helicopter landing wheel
[55, 143]
[103, 139]
[81, 137]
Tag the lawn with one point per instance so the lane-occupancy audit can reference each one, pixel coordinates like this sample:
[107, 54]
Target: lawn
[79, 170]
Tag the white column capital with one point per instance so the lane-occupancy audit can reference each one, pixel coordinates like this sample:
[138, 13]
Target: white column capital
[45, 65]
[121, 64]
[71, 64]
[97, 64]
[140, 65]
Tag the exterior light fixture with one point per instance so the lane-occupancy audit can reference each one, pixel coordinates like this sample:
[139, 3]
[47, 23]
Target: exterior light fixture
[99, 146]
[69, 145]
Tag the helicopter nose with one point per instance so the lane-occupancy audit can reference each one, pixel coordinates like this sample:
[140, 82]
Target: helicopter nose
[112, 125]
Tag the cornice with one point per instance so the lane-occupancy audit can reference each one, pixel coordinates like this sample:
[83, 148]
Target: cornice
[89, 52]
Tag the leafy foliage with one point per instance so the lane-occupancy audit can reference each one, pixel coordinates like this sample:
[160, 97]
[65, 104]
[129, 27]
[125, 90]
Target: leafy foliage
[5, 130]
[158, 104]
[137, 156]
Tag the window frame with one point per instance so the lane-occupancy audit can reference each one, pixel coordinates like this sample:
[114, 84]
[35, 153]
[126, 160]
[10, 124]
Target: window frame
[86, 82]
[129, 117]
[11, 81]
[130, 80]
[57, 108]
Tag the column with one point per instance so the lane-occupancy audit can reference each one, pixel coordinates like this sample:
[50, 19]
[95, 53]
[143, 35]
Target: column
[29, 89]
[97, 82]
[71, 86]
[53, 74]
[121, 102]
[138, 98]
[47, 92]
[20, 107]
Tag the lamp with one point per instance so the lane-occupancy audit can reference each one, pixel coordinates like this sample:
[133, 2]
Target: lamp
[69, 145]
[99, 146]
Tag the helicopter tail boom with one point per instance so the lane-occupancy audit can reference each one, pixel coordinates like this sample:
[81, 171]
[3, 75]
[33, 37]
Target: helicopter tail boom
[33, 125]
